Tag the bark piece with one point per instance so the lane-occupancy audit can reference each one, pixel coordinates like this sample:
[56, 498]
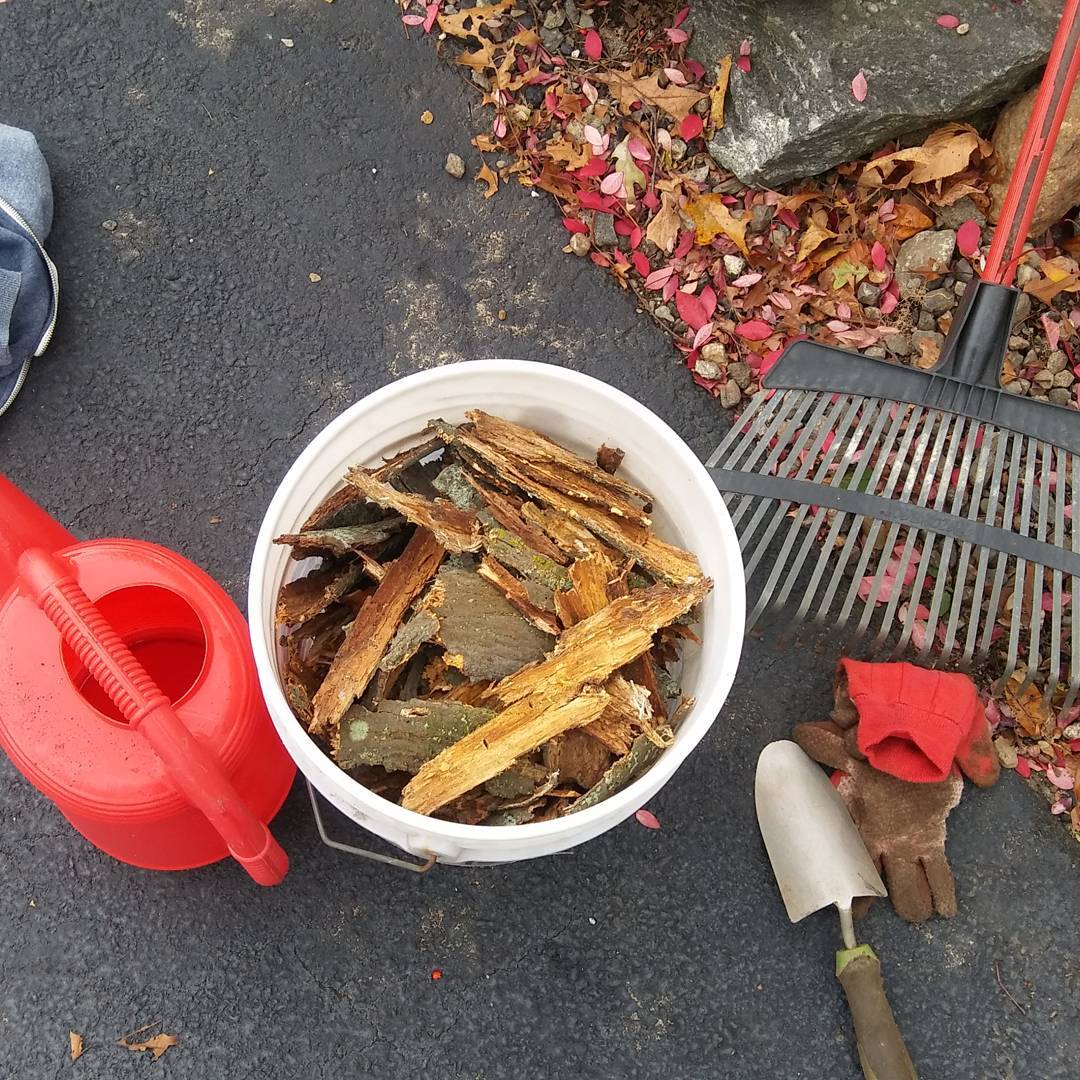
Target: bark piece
[469, 693]
[609, 458]
[572, 538]
[578, 758]
[510, 550]
[547, 698]
[494, 746]
[401, 735]
[373, 628]
[345, 540]
[457, 485]
[537, 449]
[484, 637]
[411, 635]
[519, 781]
[305, 597]
[457, 530]
[628, 715]
[515, 592]
[503, 510]
[628, 768]
[660, 558]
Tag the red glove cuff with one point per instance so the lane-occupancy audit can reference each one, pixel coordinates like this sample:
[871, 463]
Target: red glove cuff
[912, 721]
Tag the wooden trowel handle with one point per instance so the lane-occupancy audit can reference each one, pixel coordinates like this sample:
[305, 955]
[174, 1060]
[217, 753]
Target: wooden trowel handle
[882, 1052]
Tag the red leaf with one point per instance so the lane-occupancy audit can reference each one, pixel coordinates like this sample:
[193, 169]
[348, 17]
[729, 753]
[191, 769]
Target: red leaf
[744, 56]
[695, 70]
[680, 16]
[690, 127]
[708, 299]
[858, 87]
[686, 242]
[789, 219]
[594, 45]
[1023, 767]
[677, 37]
[967, 238]
[593, 200]
[413, 20]
[574, 225]
[429, 18]
[641, 264]
[636, 236]
[651, 200]
[754, 330]
[1052, 329]
[595, 166]
[659, 278]
[890, 298]
[878, 255]
[648, 819]
[949, 22]
[691, 310]
[703, 335]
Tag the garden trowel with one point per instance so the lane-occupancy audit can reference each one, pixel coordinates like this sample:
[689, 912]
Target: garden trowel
[819, 859]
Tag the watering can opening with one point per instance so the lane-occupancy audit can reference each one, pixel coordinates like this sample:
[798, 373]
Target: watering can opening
[163, 632]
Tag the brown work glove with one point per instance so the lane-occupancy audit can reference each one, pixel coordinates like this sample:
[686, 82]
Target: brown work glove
[901, 823]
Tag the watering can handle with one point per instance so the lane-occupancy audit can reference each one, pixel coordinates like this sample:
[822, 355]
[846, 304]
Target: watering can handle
[51, 584]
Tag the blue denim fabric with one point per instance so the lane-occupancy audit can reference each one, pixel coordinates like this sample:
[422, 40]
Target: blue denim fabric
[26, 291]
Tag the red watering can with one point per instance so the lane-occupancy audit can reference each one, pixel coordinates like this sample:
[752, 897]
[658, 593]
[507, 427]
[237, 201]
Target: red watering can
[128, 696]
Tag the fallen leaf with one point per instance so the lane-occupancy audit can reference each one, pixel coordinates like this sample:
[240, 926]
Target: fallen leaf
[949, 22]
[647, 818]
[967, 238]
[1030, 710]
[426, 117]
[846, 272]
[815, 235]
[467, 22]
[663, 229]
[910, 220]
[718, 94]
[486, 176]
[676, 101]
[858, 87]
[744, 56]
[627, 167]
[594, 45]
[878, 255]
[754, 330]
[314, 278]
[945, 152]
[677, 36]
[1052, 328]
[690, 127]
[77, 1045]
[691, 310]
[156, 1045]
[288, 42]
[711, 217]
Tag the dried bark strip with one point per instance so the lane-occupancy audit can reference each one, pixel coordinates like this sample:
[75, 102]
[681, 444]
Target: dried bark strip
[372, 630]
[490, 749]
[513, 589]
[578, 758]
[457, 530]
[536, 696]
[628, 715]
[306, 597]
[411, 635]
[664, 560]
[572, 538]
[401, 735]
[523, 442]
[484, 636]
[642, 754]
[609, 458]
[457, 485]
[345, 540]
[509, 517]
[501, 544]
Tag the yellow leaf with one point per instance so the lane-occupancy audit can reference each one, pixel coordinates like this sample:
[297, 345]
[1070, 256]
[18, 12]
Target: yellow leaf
[486, 176]
[676, 101]
[426, 117]
[467, 22]
[812, 239]
[718, 94]
[663, 229]
[711, 217]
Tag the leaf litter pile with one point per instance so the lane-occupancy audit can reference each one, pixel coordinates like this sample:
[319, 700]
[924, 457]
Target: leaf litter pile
[492, 632]
[601, 106]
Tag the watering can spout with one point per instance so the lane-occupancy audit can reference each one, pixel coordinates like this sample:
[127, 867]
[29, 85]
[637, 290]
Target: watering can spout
[23, 525]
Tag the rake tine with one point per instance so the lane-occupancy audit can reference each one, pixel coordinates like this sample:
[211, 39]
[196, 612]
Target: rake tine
[1061, 472]
[888, 549]
[974, 501]
[1039, 576]
[994, 606]
[1074, 606]
[839, 437]
[1021, 564]
[898, 465]
[971, 647]
[742, 423]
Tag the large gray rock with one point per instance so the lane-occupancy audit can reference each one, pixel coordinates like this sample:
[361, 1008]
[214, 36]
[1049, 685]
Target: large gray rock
[923, 251]
[794, 115]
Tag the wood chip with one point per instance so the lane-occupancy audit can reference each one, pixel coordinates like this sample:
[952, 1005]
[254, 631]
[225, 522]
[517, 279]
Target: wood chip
[550, 697]
[574, 539]
[609, 458]
[510, 550]
[306, 597]
[509, 517]
[484, 636]
[628, 768]
[515, 592]
[627, 716]
[345, 540]
[421, 627]
[374, 627]
[457, 530]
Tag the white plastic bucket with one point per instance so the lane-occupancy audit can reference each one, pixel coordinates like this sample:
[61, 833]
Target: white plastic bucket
[581, 413]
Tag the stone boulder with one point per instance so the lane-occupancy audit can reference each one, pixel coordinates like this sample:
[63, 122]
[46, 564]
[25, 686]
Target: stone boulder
[1061, 188]
[794, 114]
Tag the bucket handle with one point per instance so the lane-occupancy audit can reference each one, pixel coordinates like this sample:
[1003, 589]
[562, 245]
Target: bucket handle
[49, 581]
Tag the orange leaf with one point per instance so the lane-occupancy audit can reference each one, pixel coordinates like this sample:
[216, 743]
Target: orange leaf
[799, 199]
[486, 176]
[676, 101]
[711, 217]
[815, 235]
[75, 1040]
[909, 220]
[718, 94]
[1029, 708]
[156, 1045]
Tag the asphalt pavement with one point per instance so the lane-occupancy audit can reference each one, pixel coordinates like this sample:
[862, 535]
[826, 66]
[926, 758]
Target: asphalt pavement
[203, 170]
